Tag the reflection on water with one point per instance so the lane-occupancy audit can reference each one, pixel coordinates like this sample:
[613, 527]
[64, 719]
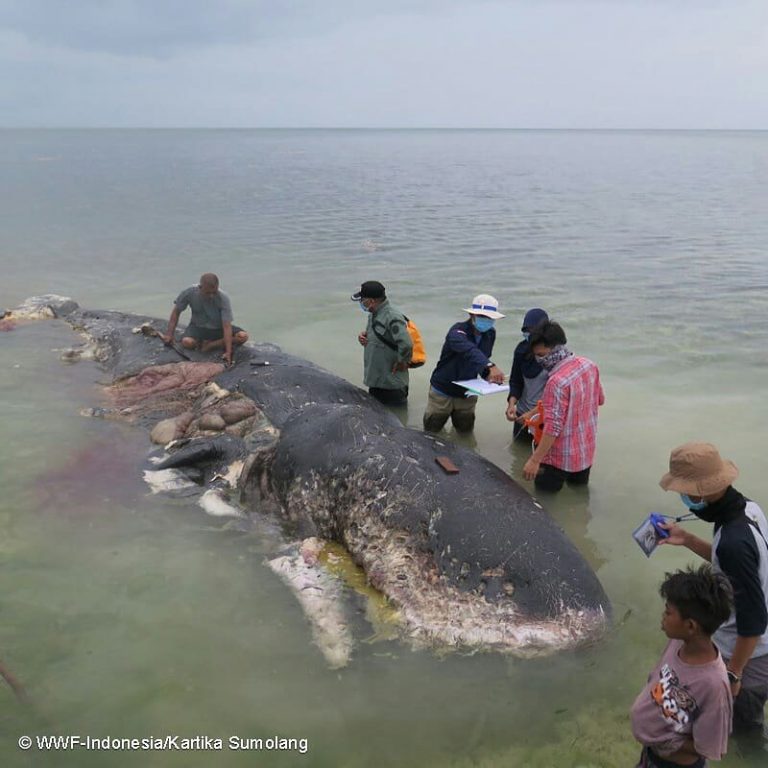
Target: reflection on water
[128, 614]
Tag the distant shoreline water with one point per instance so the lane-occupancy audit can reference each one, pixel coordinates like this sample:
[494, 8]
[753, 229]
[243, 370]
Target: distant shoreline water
[649, 246]
[362, 128]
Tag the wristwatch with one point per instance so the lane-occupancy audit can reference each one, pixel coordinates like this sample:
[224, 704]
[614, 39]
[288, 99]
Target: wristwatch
[733, 678]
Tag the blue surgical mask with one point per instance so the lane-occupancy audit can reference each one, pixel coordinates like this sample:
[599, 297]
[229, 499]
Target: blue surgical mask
[694, 506]
[363, 307]
[483, 324]
[526, 335]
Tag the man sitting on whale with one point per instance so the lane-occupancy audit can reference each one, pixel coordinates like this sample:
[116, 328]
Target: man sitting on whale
[211, 324]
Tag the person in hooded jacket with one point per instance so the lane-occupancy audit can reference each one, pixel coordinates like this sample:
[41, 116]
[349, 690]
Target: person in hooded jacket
[527, 378]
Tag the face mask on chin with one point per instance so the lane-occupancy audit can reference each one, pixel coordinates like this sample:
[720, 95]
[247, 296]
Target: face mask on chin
[363, 307]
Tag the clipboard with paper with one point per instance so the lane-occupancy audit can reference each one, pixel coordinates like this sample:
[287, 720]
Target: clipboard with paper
[481, 386]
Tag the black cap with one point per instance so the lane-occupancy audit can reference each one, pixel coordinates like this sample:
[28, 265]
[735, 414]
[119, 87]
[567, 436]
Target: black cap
[372, 289]
[532, 318]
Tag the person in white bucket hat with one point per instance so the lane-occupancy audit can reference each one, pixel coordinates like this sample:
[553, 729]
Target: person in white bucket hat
[486, 306]
[466, 354]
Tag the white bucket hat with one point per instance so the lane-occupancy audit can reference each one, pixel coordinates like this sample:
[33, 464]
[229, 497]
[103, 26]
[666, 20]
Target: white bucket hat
[485, 304]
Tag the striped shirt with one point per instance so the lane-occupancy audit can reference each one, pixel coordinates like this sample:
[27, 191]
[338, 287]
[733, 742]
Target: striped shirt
[571, 397]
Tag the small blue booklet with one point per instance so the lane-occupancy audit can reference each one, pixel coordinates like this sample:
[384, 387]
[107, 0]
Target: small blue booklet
[649, 533]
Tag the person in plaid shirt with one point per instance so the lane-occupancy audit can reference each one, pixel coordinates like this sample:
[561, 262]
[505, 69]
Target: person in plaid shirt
[570, 400]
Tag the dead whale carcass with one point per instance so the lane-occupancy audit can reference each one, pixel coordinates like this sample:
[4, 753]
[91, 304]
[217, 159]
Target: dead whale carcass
[470, 561]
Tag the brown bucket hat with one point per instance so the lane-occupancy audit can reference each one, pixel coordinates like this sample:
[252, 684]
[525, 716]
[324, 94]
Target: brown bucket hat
[696, 469]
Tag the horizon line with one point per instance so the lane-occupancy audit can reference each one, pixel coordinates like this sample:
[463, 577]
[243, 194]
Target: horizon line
[353, 128]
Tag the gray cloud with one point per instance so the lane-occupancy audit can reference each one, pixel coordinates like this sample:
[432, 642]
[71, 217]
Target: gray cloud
[542, 63]
[163, 27]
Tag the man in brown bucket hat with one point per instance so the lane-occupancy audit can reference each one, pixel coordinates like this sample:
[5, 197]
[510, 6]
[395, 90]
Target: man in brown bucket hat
[739, 549]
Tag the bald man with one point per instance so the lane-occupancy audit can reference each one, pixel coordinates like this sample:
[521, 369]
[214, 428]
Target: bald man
[211, 324]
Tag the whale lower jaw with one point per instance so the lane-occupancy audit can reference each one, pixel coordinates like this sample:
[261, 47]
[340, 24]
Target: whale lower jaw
[321, 599]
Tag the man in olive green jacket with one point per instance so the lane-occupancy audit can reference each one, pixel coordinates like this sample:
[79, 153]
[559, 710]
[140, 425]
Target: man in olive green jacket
[387, 343]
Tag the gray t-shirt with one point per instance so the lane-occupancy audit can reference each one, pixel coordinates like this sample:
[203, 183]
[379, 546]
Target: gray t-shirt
[684, 701]
[206, 312]
[532, 391]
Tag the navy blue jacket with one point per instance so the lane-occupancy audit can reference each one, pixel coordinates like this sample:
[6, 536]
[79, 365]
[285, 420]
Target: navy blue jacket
[462, 358]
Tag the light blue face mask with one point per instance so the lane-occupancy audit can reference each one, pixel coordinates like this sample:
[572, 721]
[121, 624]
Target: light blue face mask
[526, 335]
[694, 506]
[483, 324]
[363, 307]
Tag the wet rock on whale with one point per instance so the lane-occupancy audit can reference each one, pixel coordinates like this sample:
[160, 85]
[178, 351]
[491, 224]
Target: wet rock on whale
[471, 561]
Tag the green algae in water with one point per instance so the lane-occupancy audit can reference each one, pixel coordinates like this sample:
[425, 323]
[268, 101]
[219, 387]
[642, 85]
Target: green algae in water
[382, 615]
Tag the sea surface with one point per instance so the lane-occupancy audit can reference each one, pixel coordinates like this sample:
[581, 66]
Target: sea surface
[131, 615]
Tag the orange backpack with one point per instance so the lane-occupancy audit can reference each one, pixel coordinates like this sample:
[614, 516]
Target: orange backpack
[418, 356]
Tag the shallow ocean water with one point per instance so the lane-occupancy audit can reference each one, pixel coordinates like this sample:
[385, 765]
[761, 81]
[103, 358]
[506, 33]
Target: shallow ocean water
[131, 615]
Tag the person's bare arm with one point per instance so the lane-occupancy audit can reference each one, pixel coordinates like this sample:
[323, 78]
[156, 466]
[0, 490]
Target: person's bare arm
[227, 328]
[531, 468]
[743, 649]
[173, 320]
[680, 537]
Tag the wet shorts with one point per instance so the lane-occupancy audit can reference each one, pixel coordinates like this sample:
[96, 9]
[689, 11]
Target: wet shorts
[207, 334]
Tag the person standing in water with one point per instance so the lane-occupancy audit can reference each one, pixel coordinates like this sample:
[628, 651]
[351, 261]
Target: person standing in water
[466, 354]
[527, 378]
[388, 345]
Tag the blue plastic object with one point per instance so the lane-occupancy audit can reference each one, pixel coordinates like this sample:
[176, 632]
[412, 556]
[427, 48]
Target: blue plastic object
[656, 519]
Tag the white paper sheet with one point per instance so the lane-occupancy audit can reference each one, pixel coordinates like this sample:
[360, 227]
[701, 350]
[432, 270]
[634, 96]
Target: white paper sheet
[482, 387]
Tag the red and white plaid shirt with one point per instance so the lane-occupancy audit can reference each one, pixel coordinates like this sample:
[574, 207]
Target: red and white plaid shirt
[571, 397]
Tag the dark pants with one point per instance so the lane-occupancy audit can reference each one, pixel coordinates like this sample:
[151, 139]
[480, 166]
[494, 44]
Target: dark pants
[390, 396]
[749, 705]
[460, 410]
[749, 711]
[462, 421]
[551, 478]
[520, 433]
[649, 759]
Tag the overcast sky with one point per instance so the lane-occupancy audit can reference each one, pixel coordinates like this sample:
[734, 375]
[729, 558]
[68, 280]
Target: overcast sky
[389, 63]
